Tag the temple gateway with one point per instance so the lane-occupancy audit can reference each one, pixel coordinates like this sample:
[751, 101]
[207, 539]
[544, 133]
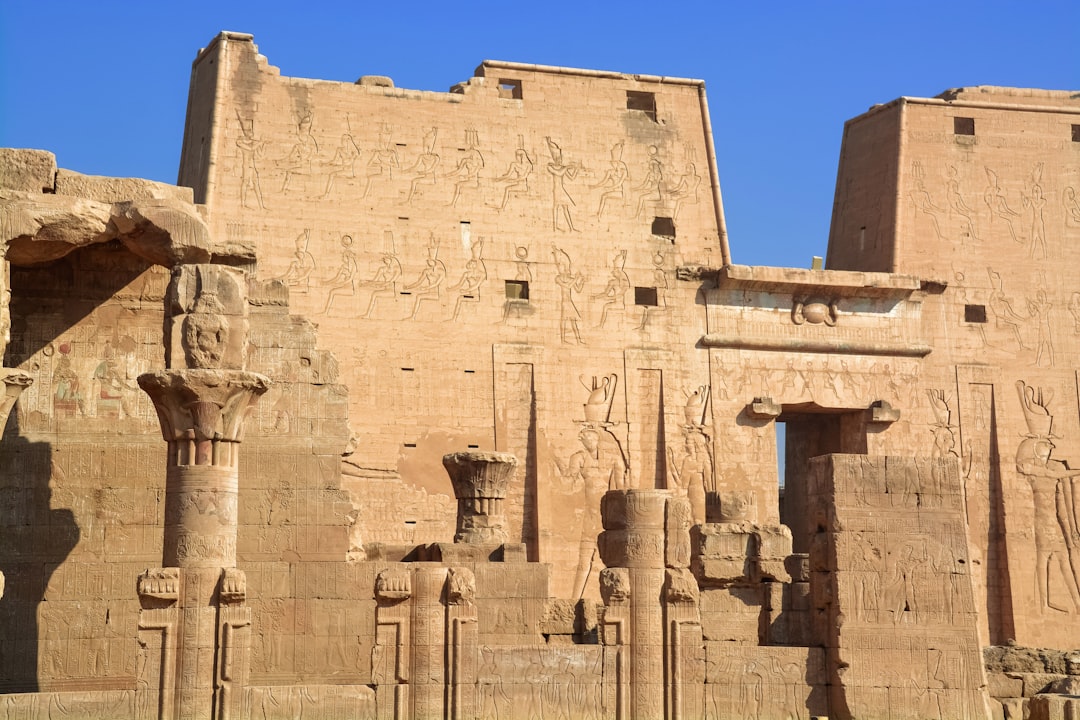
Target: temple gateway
[409, 404]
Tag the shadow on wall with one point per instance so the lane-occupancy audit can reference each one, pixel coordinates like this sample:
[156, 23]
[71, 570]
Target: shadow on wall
[34, 539]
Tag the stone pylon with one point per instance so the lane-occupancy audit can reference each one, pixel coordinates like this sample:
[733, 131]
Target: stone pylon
[195, 628]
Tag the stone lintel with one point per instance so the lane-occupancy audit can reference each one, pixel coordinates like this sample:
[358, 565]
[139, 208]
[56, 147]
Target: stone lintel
[815, 283]
[837, 347]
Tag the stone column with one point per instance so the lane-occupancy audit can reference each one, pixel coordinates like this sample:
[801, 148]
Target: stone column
[480, 480]
[202, 401]
[632, 547]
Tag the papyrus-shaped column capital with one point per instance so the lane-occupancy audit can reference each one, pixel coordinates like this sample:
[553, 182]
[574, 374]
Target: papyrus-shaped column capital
[202, 412]
[480, 482]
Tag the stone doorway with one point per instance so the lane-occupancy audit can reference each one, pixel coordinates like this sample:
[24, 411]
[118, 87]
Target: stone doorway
[803, 433]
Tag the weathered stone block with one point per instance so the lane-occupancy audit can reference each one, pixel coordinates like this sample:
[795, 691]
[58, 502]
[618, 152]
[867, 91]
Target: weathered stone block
[118, 190]
[32, 171]
[1002, 685]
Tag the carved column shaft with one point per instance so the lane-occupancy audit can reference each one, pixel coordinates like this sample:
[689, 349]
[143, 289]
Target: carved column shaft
[634, 540]
[200, 517]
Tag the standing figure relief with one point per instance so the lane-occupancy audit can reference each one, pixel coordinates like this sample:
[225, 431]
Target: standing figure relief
[692, 473]
[250, 152]
[1055, 496]
[598, 466]
[569, 282]
[561, 201]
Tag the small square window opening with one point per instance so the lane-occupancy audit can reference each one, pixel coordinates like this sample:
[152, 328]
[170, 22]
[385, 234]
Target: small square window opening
[509, 88]
[664, 227]
[643, 101]
[963, 126]
[517, 290]
[975, 313]
[645, 296]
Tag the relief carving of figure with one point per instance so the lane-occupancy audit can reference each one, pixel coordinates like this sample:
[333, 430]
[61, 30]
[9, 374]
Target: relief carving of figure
[660, 284]
[467, 172]
[685, 192]
[68, 395]
[693, 473]
[591, 471]
[206, 332]
[1004, 315]
[569, 282]
[944, 437]
[428, 286]
[384, 283]
[343, 164]
[250, 151]
[112, 378]
[1054, 494]
[614, 293]
[383, 161]
[1072, 207]
[866, 562]
[994, 197]
[1036, 202]
[515, 180]
[612, 185]
[560, 172]
[920, 197]
[468, 288]
[1074, 310]
[298, 275]
[298, 161]
[1039, 308]
[423, 169]
[344, 281]
[650, 191]
[901, 585]
[957, 204]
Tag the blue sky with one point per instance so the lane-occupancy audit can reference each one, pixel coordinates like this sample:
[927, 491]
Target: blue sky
[104, 84]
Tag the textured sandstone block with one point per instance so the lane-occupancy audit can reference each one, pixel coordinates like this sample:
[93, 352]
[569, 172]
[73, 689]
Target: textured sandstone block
[118, 190]
[32, 171]
[1002, 685]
